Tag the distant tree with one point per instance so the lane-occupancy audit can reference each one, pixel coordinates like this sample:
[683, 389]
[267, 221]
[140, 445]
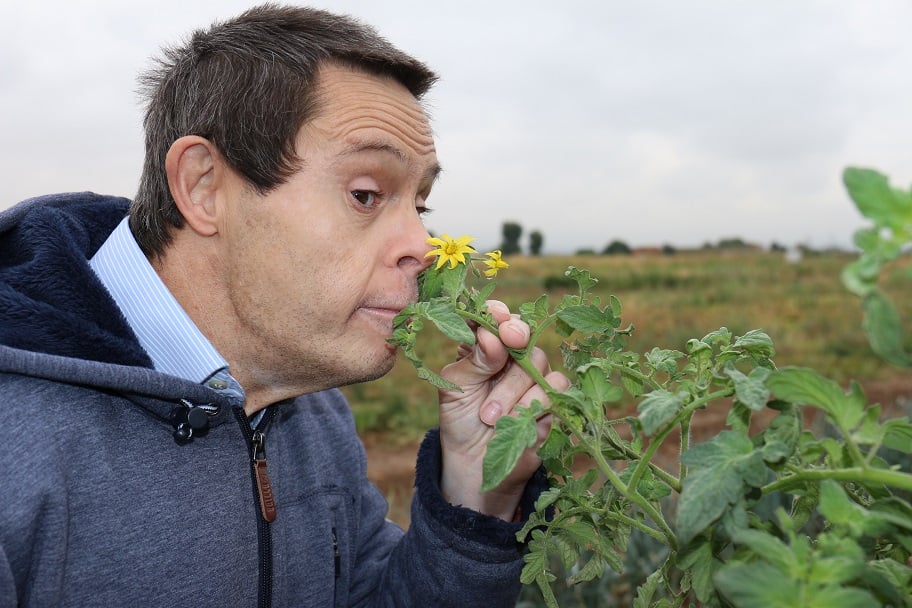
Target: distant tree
[732, 243]
[777, 248]
[668, 249]
[617, 247]
[535, 242]
[511, 234]
[585, 251]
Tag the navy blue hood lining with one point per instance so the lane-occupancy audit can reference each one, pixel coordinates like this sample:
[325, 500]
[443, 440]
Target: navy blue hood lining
[50, 299]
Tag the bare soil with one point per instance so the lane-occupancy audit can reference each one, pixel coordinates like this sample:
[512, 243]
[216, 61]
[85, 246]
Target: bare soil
[391, 464]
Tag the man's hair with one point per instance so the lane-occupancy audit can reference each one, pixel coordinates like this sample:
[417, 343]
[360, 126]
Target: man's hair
[248, 86]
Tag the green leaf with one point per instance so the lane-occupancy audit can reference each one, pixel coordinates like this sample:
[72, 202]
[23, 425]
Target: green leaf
[593, 569]
[632, 383]
[782, 435]
[647, 590]
[757, 343]
[657, 408]
[898, 435]
[801, 385]
[536, 559]
[884, 328]
[597, 386]
[649, 487]
[454, 327]
[513, 435]
[430, 284]
[582, 278]
[663, 360]
[588, 319]
[436, 380]
[770, 548]
[751, 390]
[454, 279]
[722, 468]
[876, 199]
[699, 561]
[757, 585]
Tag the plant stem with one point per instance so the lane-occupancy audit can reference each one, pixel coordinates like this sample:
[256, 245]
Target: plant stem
[629, 492]
[656, 443]
[895, 479]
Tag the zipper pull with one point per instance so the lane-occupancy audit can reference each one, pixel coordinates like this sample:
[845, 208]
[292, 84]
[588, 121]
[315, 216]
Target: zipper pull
[337, 556]
[264, 488]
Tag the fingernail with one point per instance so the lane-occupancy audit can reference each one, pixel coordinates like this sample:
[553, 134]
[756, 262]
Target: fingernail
[490, 413]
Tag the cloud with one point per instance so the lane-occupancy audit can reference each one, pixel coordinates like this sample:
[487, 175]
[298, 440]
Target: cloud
[652, 122]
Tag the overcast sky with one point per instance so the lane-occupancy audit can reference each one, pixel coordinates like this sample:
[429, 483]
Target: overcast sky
[677, 122]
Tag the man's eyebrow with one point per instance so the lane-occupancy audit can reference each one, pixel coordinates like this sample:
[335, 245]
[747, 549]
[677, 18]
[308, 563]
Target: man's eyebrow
[430, 175]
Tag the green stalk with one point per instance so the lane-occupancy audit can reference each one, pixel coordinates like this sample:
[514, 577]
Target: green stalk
[631, 494]
[895, 479]
[656, 443]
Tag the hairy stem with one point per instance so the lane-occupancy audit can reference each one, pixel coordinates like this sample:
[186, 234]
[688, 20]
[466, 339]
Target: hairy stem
[896, 479]
[656, 443]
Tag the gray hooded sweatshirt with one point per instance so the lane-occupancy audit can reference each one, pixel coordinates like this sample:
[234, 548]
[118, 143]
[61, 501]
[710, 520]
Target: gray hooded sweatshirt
[104, 503]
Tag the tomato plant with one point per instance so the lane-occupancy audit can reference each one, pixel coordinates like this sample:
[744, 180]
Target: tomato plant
[840, 533]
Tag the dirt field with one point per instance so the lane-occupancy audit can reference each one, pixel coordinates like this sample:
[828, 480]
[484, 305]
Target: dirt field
[392, 466]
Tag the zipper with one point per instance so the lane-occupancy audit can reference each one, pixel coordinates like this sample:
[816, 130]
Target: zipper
[337, 555]
[263, 497]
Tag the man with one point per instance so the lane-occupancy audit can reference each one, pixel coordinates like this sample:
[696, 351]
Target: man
[168, 375]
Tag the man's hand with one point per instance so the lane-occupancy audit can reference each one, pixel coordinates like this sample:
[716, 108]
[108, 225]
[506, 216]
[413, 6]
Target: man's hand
[493, 384]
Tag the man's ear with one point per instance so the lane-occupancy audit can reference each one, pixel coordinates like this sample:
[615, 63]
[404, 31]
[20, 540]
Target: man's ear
[195, 169]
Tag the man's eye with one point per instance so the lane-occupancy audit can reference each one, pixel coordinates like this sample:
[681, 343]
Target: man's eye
[365, 197]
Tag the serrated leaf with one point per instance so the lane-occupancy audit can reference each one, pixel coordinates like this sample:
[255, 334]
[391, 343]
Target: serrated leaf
[649, 487]
[801, 385]
[597, 386]
[898, 435]
[663, 360]
[436, 380]
[784, 429]
[593, 569]
[632, 384]
[772, 549]
[722, 468]
[876, 199]
[757, 343]
[657, 408]
[453, 279]
[699, 562]
[536, 559]
[757, 585]
[751, 390]
[450, 324]
[884, 329]
[647, 590]
[588, 319]
[580, 533]
[480, 298]
[430, 284]
[582, 278]
[513, 435]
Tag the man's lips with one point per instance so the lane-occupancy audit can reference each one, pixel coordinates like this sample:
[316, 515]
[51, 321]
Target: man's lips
[385, 310]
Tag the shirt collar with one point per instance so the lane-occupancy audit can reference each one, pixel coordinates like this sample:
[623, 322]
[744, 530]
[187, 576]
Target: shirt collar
[173, 341]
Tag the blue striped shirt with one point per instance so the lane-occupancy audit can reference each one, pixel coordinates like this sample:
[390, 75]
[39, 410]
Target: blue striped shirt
[164, 329]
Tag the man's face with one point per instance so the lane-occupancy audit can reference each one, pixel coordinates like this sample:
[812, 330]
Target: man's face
[321, 265]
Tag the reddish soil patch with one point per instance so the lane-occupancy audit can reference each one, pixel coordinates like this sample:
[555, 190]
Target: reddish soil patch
[391, 466]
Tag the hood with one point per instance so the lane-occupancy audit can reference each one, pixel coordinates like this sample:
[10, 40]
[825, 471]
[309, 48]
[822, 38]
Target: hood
[50, 299]
[57, 320]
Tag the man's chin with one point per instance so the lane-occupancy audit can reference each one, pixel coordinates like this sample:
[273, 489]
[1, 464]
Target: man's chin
[381, 367]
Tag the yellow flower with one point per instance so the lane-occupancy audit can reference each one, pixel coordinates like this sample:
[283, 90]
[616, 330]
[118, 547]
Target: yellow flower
[450, 250]
[494, 264]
